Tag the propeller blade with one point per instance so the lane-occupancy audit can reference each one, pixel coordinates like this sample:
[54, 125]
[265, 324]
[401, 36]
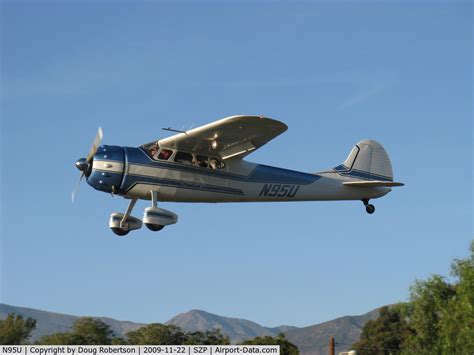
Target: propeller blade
[95, 144]
[76, 189]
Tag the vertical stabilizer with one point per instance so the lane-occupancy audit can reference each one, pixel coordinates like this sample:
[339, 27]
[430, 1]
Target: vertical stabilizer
[368, 160]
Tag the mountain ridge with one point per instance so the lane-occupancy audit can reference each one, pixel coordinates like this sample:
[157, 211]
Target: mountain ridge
[311, 340]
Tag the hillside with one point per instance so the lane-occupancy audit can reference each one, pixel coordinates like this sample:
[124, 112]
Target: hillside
[50, 322]
[312, 340]
[236, 329]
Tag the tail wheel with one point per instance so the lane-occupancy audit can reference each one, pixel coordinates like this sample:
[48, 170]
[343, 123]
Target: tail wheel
[154, 227]
[370, 209]
[120, 231]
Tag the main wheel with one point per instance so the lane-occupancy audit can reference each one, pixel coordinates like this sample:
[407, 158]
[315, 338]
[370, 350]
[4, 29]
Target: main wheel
[370, 209]
[154, 227]
[120, 231]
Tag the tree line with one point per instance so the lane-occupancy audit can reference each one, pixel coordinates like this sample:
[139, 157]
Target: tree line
[16, 330]
[438, 319]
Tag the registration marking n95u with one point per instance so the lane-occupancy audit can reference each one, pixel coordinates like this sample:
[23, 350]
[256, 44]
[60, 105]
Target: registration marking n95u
[279, 190]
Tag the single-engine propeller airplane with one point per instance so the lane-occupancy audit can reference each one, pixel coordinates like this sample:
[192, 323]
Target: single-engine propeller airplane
[206, 164]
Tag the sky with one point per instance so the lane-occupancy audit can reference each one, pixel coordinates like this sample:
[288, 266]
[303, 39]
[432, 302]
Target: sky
[335, 72]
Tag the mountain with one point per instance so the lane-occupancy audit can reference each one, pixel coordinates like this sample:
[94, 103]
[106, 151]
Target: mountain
[49, 322]
[236, 329]
[312, 340]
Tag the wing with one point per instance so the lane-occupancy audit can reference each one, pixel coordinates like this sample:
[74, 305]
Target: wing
[373, 183]
[234, 136]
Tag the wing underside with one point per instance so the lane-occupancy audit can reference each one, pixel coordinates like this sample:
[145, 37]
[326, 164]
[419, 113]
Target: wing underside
[234, 136]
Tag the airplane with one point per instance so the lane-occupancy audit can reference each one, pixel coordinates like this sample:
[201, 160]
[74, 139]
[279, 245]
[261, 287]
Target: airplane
[206, 164]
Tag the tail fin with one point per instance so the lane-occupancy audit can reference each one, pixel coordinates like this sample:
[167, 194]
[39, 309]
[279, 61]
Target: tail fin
[368, 160]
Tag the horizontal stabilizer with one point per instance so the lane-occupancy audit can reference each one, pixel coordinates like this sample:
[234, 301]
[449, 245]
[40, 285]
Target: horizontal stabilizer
[373, 183]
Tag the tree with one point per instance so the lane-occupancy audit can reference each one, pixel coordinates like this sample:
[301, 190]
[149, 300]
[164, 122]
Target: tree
[442, 314]
[61, 339]
[157, 334]
[286, 348]
[439, 319]
[385, 334]
[85, 331]
[429, 300]
[92, 331]
[15, 330]
[457, 326]
[209, 337]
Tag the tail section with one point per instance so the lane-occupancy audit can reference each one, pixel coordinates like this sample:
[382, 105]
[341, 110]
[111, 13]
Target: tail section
[368, 161]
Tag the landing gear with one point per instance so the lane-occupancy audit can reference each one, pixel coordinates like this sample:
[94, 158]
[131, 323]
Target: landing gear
[154, 227]
[154, 218]
[150, 213]
[120, 231]
[157, 218]
[121, 224]
[368, 207]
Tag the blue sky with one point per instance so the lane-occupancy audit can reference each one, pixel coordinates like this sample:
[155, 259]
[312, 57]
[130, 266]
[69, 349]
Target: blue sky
[335, 72]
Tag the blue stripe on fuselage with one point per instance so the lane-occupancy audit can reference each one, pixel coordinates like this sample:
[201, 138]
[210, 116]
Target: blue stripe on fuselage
[270, 174]
[345, 171]
[131, 180]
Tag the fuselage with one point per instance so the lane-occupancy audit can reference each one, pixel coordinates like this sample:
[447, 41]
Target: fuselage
[133, 173]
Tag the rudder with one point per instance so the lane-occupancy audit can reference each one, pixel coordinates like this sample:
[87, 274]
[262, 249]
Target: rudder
[368, 160]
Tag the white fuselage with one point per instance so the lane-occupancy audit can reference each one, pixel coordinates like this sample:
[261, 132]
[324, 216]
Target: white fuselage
[238, 181]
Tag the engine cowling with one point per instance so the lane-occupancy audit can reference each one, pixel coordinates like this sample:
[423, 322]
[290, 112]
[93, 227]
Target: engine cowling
[107, 169]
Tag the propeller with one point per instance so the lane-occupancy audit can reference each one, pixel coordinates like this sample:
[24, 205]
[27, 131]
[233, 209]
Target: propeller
[84, 164]
[95, 144]
[76, 189]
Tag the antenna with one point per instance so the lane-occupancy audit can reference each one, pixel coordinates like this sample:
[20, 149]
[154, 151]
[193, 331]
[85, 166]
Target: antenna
[173, 130]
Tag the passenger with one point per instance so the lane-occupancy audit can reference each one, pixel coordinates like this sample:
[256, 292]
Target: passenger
[165, 154]
[213, 164]
[201, 161]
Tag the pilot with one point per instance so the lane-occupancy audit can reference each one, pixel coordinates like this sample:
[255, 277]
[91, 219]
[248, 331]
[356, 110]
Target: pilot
[153, 150]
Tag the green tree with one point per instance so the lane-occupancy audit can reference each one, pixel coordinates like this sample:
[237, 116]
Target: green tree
[384, 335]
[15, 330]
[439, 319]
[209, 337]
[442, 314]
[93, 331]
[85, 331]
[61, 339]
[157, 334]
[119, 341]
[286, 348]
[429, 300]
[457, 326]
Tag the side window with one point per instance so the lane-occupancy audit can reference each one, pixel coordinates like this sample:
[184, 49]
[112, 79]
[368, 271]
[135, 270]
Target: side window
[215, 163]
[202, 161]
[183, 158]
[165, 154]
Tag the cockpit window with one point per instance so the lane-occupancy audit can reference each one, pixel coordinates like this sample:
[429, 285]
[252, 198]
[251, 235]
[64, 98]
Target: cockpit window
[183, 158]
[202, 161]
[165, 154]
[215, 164]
